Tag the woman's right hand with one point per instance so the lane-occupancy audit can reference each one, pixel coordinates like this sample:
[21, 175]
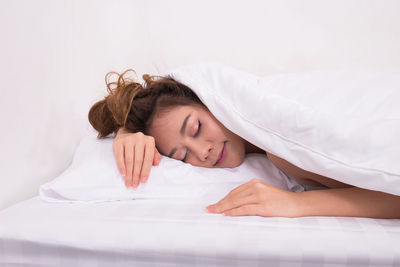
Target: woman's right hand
[135, 154]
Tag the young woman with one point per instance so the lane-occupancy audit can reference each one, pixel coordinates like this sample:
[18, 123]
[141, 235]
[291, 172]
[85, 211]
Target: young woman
[165, 117]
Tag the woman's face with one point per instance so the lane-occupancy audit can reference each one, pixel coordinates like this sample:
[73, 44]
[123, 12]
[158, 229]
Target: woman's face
[192, 134]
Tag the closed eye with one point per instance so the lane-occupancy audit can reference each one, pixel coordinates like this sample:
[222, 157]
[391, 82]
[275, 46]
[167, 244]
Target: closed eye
[195, 135]
[198, 129]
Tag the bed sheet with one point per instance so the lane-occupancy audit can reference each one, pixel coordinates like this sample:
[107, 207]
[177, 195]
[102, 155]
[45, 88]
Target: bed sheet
[173, 233]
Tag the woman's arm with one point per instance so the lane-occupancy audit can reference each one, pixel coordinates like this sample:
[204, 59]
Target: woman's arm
[342, 199]
[260, 198]
[351, 201]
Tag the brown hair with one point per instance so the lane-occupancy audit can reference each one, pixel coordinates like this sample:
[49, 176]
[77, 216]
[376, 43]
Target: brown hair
[133, 106]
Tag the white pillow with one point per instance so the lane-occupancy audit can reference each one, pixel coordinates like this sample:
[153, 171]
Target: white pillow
[341, 124]
[94, 177]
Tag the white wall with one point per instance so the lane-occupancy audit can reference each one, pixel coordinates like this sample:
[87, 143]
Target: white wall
[54, 55]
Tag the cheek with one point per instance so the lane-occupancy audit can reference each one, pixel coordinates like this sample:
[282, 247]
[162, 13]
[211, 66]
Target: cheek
[217, 130]
[180, 154]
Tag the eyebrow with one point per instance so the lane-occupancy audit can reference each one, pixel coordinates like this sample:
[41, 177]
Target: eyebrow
[182, 131]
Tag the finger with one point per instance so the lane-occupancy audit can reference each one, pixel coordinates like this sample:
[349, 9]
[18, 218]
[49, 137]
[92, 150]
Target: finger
[246, 210]
[157, 157]
[241, 188]
[137, 165]
[119, 156]
[128, 163]
[147, 163]
[239, 191]
[232, 203]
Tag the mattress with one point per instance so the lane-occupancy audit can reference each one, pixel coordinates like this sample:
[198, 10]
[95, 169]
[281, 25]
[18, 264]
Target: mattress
[180, 233]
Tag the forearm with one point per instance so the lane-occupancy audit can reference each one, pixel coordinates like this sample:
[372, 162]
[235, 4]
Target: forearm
[349, 202]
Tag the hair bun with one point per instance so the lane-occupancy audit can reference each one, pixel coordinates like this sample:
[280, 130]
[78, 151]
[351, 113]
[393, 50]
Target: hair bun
[110, 114]
[147, 79]
[121, 95]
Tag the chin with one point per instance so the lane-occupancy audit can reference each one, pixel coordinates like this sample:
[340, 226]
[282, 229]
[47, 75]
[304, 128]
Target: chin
[236, 162]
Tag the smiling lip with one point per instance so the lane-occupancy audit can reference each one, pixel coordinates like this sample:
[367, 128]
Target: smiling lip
[222, 155]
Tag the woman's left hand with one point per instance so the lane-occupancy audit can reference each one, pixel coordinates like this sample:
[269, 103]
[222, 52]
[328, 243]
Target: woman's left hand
[258, 198]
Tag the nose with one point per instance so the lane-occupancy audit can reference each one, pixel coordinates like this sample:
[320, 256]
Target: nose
[201, 150]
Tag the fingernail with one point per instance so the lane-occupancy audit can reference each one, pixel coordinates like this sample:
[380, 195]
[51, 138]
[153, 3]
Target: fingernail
[211, 209]
[144, 180]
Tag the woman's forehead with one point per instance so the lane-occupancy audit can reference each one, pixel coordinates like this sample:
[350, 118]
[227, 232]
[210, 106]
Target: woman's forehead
[171, 116]
[170, 122]
[176, 115]
[165, 127]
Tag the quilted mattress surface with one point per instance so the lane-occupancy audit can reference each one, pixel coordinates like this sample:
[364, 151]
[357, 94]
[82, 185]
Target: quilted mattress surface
[173, 233]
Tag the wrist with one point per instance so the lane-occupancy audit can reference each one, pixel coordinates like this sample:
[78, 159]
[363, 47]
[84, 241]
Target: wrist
[301, 204]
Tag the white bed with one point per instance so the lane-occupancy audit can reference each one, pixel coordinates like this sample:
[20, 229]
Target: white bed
[168, 233]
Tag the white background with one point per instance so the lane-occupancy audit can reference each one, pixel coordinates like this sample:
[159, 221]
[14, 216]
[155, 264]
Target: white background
[54, 55]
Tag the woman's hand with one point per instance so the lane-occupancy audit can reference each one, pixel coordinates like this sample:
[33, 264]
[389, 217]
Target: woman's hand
[258, 198]
[135, 154]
